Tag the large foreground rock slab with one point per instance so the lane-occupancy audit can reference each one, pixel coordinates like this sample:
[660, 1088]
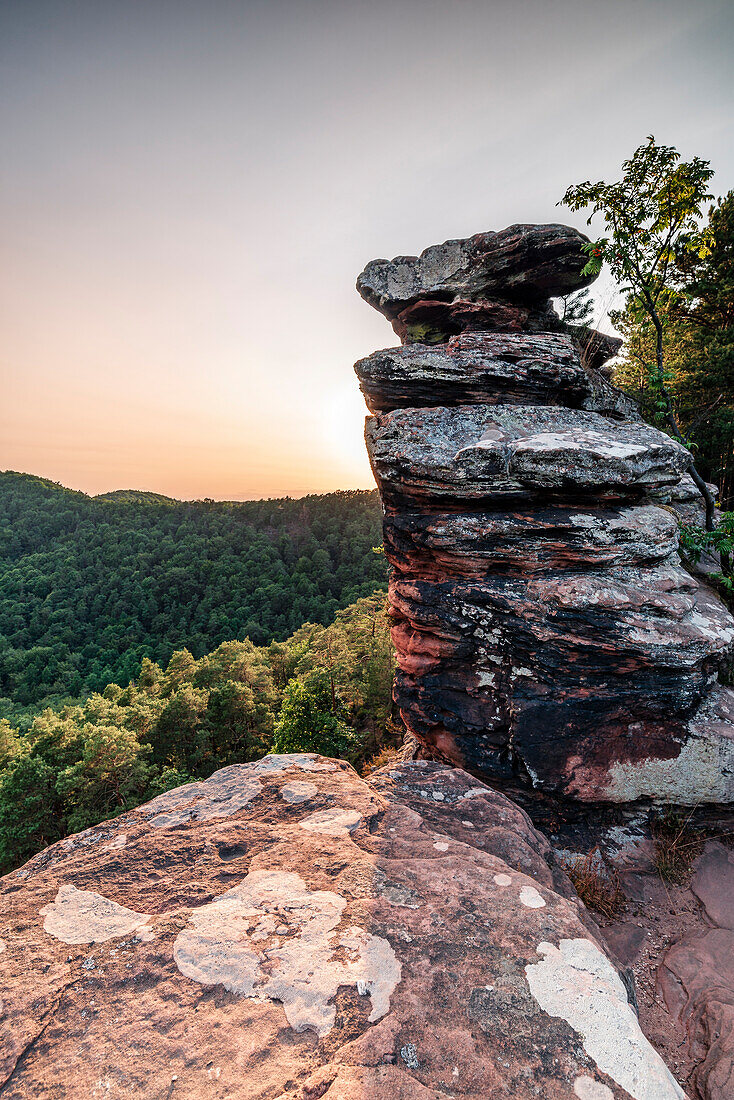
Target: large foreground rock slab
[527, 263]
[286, 930]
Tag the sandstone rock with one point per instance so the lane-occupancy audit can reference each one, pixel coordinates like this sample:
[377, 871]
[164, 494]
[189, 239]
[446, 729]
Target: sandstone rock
[526, 541]
[489, 368]
[545, 629]
[524, 263]
[573, 682]
[475, 368]
[625, 940]
[596, 347]
[697, 982]
[474, 453]
[286, 930]
[430, 321]
[713, 883]
[684, 499]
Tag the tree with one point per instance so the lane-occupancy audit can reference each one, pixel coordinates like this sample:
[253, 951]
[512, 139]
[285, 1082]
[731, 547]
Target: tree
[239, 726]
[652, 215]
[576, 310]
[180, 737]
[110, 777]
[311, 720]
[78, 764]
[31, 811]
[704, 384]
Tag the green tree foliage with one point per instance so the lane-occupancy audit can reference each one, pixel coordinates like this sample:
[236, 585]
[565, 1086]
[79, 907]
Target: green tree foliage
[652, 215]
[576, 310]
[324, 689]
[312, 718]
[110, 776]
[703, 387]
[92, 587]
[698, 352]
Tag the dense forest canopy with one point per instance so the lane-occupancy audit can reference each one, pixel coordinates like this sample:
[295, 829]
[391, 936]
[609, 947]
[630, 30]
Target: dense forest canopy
[90, 586]
[324, 689]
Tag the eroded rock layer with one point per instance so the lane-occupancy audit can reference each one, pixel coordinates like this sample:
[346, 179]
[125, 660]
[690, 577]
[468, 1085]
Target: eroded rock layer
[284, 931]
[544, 626]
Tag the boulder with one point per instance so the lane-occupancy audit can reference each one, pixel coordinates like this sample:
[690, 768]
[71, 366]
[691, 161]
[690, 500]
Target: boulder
[286, 930]
[478, 367]
[525, 541]
[713, 883]
[526, 264]
[696, 978]
[596, 347]
[492, 369]
[570, 682]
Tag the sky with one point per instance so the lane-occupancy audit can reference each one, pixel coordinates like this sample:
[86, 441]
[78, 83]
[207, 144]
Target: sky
[188, 191]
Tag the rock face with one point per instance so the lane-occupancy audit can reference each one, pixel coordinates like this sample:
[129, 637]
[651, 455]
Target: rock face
[284, 930]
[697, 976]
[544, 627]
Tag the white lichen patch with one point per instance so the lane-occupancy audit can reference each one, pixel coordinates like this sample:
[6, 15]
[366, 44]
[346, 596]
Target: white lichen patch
[586, 1088]
[530, 898]
[273, 938]
[578, 983]
[334, 822]
[280, 762]
[84, 916]
[115, 845]
[298, 792]
[224, 793]
[702, 772]
[502, 880]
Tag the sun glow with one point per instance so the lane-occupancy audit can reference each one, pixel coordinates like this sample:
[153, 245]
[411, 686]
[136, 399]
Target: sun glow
[343, 434]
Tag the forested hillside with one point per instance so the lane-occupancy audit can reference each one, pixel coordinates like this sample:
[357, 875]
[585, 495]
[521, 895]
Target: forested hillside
[89, 586]
[325, 689]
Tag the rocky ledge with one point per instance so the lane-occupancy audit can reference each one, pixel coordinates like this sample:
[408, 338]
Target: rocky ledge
[523, 263]
[287, 930]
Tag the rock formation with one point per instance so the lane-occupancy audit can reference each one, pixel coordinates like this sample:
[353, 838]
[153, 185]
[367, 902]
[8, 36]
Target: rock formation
[545, 629]
[284, 931]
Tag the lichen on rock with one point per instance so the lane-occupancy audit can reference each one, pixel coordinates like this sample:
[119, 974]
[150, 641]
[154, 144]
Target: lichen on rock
[271, 936]
[389, 961]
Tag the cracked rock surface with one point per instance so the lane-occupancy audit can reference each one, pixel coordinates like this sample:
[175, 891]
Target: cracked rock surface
[425, 945]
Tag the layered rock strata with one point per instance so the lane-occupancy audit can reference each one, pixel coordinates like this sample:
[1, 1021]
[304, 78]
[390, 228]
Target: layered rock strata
[544, 626]
[283, 931]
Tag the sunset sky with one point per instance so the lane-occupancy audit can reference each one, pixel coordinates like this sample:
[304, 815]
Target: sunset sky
[189, 191]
